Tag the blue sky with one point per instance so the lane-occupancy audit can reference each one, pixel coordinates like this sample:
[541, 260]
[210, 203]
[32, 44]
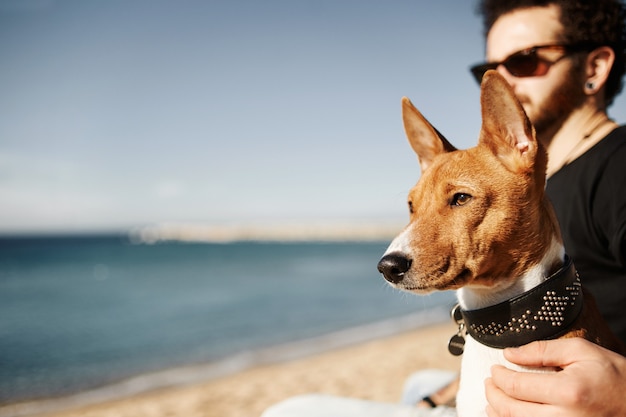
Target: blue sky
[123, 113]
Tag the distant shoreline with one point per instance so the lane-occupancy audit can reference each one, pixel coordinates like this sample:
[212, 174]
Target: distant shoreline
[270, 232]
[218, 233]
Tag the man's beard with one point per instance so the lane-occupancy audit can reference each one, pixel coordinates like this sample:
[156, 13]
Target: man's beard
[566, 97]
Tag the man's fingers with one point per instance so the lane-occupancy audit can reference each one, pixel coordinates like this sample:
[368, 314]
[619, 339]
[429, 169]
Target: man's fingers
[524, 386]
[502, 405]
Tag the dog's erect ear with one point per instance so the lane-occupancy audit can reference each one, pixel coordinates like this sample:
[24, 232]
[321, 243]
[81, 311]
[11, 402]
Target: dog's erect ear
[506, 129]
[425, 140]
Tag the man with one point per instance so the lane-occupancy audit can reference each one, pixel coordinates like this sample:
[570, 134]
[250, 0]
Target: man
[565, 62]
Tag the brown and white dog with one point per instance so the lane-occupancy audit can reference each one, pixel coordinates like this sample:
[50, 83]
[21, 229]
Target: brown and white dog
[480, 223]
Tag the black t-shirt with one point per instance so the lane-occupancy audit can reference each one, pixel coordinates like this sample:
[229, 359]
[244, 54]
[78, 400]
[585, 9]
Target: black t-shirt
[589, 197]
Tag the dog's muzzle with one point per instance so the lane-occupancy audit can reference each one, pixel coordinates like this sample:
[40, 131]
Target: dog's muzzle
[394, 266]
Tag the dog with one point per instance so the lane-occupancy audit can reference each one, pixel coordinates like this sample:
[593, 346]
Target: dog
[480, 223]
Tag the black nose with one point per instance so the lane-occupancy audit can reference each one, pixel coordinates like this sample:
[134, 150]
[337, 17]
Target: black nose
[394, 266]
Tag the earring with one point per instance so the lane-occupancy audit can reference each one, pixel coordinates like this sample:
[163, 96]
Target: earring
[590, 86]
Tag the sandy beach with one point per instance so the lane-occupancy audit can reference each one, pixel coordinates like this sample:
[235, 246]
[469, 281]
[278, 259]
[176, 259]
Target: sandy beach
[374, 370]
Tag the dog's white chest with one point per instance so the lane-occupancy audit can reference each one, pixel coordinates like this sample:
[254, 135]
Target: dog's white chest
[475, 368]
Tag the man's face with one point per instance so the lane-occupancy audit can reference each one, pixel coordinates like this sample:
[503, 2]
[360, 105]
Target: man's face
[547, 99]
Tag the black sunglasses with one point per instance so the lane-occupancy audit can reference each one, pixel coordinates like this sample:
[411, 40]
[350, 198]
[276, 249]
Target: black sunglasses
[527, 63]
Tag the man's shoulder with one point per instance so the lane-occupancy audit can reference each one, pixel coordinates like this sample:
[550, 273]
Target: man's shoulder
[614, 145]
[617, 136]
[611, 148]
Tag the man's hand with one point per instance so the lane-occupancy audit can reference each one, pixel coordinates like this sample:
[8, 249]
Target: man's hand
[591, 381]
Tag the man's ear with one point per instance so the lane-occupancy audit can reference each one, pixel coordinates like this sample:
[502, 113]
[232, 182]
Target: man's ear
[597, 68]
[425, 140]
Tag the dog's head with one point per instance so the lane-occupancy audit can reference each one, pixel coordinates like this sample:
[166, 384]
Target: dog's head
[476, 215]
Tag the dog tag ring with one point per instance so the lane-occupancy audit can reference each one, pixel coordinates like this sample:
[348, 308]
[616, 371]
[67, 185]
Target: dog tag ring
[456, 315]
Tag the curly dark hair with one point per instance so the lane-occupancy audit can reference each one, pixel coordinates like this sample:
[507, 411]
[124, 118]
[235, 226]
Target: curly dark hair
[597, 22]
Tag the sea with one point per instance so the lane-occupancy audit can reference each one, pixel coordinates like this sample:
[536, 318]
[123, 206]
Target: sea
[91, 318]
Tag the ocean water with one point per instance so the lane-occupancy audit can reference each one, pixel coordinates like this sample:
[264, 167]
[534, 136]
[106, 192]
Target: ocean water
[79, 313]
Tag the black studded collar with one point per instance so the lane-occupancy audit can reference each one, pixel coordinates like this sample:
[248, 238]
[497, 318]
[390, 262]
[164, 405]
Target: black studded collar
[544, 312]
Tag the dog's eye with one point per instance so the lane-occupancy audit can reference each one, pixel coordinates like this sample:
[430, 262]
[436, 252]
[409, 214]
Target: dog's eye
[460, 199]
[411, 207]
